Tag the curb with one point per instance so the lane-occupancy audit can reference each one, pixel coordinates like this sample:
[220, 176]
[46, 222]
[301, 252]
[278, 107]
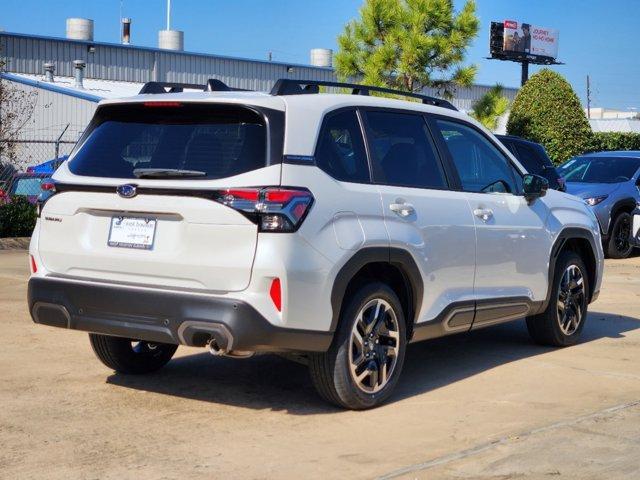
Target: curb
[15, 243]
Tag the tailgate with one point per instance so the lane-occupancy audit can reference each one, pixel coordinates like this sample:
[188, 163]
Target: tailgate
[197, 243]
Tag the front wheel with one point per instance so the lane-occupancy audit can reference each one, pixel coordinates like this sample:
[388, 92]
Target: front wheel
[362, 366]
[619, 244]
[131, 356]
[562, 322]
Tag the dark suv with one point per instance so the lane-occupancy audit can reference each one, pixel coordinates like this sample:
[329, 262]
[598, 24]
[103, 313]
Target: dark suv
[534, 158]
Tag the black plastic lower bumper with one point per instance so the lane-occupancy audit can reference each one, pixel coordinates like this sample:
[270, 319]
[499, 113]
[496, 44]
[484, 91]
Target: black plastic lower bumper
[166, 317]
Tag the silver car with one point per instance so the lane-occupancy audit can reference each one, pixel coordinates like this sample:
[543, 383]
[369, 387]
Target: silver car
[609, 182]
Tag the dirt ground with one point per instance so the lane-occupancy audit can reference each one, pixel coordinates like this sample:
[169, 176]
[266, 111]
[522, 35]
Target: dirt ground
[487, 405]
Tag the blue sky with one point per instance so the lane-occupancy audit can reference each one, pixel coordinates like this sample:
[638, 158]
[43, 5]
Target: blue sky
[596, 37]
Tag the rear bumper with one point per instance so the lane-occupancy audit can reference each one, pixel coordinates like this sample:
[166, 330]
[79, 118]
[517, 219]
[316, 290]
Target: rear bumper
[165, 317]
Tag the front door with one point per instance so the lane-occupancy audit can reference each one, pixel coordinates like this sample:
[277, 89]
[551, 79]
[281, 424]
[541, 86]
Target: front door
[512, 241]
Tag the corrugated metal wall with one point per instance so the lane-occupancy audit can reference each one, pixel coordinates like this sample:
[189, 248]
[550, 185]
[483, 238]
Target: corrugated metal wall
[51, 113]
[27, 54]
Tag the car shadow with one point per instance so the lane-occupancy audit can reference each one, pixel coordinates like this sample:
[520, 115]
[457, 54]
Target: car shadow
[275, 383]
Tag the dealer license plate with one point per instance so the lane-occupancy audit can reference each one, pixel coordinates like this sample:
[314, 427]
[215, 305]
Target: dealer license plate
[132, 232]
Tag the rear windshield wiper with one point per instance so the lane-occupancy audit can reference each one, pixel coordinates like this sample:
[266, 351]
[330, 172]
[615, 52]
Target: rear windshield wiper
[166, 173]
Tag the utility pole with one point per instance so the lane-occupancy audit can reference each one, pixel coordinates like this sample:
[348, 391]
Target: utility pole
[588, 97]
[525, 72]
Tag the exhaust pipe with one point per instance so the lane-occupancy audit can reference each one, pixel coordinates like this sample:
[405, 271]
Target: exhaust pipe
[216, 351]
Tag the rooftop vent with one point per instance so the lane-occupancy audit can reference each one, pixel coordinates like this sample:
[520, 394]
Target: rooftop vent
[80, 29]
[126, 31]
[322, 57]
[49, 69]
[78, 69]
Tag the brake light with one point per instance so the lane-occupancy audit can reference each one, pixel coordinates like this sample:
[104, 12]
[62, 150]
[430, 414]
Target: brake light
[48, 186]
[275, 292]
[34, 267]
[162, 104]
[274, 209]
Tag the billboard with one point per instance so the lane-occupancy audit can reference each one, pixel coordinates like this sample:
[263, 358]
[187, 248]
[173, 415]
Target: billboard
[527, 39]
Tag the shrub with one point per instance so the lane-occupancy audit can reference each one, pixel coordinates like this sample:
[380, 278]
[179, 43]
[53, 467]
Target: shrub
[614, 141]
[547, 110]
[17, 218]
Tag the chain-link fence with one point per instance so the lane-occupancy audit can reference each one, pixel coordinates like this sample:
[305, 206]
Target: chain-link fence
[30, 161]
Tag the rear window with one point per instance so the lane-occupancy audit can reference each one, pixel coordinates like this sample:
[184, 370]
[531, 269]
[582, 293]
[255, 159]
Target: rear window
[27, 186]
[207, 141]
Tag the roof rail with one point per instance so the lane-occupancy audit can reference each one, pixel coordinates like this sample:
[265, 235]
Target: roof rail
[213, 85]
[286, 86]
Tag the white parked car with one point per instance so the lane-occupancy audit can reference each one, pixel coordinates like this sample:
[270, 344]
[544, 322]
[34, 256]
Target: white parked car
[339, 226]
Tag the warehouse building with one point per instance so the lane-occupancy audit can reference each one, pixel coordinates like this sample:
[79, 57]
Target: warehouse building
[64, 78]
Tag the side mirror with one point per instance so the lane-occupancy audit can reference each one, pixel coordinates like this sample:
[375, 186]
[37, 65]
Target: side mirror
[534, 186]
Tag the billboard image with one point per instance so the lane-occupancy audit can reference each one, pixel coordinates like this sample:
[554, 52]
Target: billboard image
[524, 38]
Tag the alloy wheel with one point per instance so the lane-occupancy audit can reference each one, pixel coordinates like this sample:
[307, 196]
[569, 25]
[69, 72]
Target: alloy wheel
[571, 300]
[622, 235]
[374, 346]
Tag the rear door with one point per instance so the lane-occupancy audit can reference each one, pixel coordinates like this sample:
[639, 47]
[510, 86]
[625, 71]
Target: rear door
[169, 163]
[421, 213]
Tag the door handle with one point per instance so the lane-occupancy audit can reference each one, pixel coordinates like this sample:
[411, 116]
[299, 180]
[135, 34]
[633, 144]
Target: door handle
[402, 209]
[483, 213]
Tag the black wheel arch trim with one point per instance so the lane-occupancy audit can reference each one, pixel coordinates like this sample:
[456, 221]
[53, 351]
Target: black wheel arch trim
[394, 256]
[564, 236]
[629, 203]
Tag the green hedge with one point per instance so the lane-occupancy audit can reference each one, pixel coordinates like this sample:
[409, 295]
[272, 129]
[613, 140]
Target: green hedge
[614, 141]
[547, 110]
[17, 218]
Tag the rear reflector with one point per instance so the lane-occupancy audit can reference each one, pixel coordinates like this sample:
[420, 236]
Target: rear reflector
[275, 293]
[34, 267]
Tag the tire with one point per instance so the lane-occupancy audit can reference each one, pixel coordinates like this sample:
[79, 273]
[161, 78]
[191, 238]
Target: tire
[562, 322]
[131, 356]
[619, 243]
[334, 372]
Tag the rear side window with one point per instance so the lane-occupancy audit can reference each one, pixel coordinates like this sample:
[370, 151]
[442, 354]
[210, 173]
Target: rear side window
[530, 159]
[403, 153]
[340, 151]
[212, 141]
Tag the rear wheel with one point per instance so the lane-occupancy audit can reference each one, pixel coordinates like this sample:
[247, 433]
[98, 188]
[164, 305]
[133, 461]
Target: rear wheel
[619, 244]
[131, 356]
[362, 366]
[562, 322]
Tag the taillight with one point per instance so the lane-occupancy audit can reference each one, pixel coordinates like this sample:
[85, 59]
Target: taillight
[34, 267]
[274, 209]
[48, 191]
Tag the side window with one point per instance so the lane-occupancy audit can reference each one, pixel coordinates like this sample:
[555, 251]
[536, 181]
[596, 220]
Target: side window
[481, 166]
[403, 152]
[530, 160]
[340, 151]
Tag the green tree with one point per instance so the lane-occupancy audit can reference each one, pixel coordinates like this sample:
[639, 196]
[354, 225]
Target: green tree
[490, 107]
[548, 111]
[409, 45]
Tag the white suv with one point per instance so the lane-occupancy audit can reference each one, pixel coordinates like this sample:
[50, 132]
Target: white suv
[340, 226]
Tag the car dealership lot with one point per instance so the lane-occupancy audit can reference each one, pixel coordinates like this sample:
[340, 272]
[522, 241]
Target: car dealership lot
[486, 405]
